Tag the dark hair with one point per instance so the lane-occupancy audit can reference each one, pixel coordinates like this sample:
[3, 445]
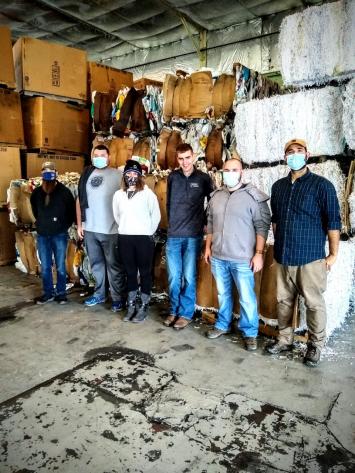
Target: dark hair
[139, 185]
[183, 147]
[101, 147]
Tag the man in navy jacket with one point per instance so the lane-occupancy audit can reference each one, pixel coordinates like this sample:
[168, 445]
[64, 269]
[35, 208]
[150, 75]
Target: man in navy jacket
[187, 190]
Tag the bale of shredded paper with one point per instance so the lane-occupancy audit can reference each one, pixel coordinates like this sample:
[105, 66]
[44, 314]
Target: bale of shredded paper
[262, 127]
[316, 44]
[340, 288]
[349, 114]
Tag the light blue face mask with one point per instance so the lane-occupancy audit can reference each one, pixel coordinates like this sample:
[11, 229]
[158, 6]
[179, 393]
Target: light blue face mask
[296, 161]
[99, 162]
[231, 178]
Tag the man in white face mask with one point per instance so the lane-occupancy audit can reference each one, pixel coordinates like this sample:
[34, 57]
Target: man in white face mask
[96, 224]
[237, 228]
[305, 210]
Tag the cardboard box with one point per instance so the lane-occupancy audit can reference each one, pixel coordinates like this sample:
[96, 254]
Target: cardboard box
[143, 82]
[10, 166]
[55, 125]
[31, 163]
[7, 71]
[103, 78]
[7, 239]
[11, 126]
[49, 68]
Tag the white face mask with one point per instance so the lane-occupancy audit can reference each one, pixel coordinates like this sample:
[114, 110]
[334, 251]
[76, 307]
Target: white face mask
[231, 178]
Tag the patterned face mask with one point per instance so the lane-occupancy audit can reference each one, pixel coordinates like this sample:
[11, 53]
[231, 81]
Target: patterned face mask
[131, 181]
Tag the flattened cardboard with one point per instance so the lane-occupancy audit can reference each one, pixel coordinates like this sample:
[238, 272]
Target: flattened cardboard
[7, 239]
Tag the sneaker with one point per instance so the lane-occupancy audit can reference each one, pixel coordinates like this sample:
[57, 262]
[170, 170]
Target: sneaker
[276, 348]
[43, 299]
[250, 343]
[118, 306]
[94, 300]
[215, 333]
[312, 356]
[61, 299]
[169, 320]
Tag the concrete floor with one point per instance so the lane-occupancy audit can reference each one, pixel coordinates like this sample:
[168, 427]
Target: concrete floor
[82, 391]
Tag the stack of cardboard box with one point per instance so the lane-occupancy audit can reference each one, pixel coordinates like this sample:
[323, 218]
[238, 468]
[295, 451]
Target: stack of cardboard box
[11, 139]
[51, 79]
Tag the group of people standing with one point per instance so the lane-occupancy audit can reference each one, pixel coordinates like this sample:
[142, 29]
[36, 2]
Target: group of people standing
[117, 221]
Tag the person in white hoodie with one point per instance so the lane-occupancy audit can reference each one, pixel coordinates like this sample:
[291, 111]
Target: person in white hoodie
[136, 211]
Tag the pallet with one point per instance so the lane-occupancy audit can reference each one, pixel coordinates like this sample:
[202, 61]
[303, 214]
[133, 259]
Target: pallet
[12, 145]
[60, 98]
[54, 152]
[5, 85]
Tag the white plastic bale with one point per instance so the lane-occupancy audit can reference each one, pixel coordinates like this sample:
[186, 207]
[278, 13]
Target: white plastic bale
[349, 114]
[340, 288]
[317, 44]
[262, 127]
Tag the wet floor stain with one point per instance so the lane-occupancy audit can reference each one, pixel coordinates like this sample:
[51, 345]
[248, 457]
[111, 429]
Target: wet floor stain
[118, 411]
[184, 347]
[10, 311]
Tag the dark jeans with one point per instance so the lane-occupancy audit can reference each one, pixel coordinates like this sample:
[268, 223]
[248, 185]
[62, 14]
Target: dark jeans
[137, 255]
[105, 264]
[47, 247]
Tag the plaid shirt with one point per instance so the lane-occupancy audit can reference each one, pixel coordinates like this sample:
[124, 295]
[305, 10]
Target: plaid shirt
[303, 213]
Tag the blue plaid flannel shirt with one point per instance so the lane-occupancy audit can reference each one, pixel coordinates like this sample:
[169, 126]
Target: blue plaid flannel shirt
[303, 212]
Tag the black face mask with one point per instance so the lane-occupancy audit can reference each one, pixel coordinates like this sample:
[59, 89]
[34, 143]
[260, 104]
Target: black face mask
[131, 181]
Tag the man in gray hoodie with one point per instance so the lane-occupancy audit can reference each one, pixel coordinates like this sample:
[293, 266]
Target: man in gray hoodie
[238, 223]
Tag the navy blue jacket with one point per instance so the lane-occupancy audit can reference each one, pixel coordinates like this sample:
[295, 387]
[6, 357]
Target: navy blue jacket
[185, 203]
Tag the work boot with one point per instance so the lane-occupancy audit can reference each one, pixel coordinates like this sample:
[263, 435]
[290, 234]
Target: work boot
[143, 309]
[277, 348]
[250, 343]
[170, 320]
[131, 306]
[181, 323]
[312, 355]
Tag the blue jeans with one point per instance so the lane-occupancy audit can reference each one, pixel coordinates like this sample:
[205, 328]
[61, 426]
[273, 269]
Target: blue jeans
[47, 247]
[181, 259]
[225, 272]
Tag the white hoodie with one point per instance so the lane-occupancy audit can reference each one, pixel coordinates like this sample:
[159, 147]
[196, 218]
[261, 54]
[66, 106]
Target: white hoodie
[139, 215]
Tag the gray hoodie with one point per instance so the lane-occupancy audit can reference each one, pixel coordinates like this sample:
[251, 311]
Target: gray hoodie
[234, 220]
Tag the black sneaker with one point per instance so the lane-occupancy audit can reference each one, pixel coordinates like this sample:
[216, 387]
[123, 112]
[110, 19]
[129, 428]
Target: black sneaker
[276, 348]
[43, 299]
[312, 356]
[61, 299]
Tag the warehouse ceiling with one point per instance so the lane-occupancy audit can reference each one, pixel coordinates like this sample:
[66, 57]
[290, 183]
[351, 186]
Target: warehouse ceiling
[130, 33]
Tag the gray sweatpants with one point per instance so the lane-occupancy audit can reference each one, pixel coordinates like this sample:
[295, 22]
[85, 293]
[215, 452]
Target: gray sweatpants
[104, 260]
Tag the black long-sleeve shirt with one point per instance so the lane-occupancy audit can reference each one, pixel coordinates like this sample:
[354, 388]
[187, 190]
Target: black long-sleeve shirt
[58, 215]
[185, 203]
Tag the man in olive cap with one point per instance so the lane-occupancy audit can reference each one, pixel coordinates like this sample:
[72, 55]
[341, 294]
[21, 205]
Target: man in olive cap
[53, 207]
[305, 211]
